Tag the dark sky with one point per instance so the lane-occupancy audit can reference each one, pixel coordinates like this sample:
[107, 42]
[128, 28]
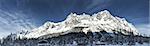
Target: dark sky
[37, 12]
[57, 10]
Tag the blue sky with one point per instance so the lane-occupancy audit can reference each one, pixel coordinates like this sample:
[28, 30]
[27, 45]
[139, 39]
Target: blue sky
[28, 14]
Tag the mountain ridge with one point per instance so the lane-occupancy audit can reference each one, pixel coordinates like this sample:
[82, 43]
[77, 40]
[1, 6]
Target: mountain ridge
[95, 23]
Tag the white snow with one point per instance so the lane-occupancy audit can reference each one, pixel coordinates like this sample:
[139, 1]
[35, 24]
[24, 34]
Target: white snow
[94, 23]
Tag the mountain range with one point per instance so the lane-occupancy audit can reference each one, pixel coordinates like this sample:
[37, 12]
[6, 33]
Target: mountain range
[100, 28]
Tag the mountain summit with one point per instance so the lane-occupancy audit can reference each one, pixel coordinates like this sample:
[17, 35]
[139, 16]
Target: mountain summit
[102, 21]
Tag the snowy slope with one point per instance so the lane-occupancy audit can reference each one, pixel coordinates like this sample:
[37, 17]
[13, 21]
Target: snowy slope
[102, 21]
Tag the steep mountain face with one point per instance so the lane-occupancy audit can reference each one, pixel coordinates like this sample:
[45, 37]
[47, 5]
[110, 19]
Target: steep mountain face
[102, 21]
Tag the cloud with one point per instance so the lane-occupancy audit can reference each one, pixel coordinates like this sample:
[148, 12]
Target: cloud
[97, 4]
[11, 22]
[144, 29]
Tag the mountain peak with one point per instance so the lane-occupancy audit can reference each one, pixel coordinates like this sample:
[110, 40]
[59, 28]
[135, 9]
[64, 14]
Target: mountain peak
[105, 12]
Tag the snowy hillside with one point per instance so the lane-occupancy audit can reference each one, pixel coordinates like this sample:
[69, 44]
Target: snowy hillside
[101, 21]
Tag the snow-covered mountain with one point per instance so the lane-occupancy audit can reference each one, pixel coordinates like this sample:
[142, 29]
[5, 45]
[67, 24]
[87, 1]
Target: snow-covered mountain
[101, 21]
